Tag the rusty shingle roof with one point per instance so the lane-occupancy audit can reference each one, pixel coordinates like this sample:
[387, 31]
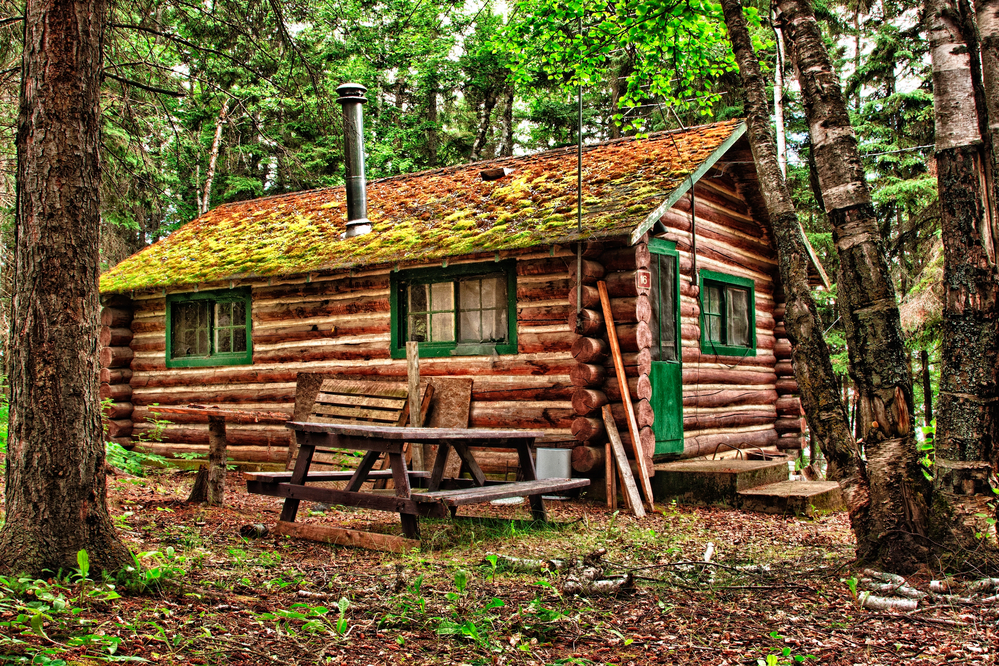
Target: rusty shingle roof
[434, 214]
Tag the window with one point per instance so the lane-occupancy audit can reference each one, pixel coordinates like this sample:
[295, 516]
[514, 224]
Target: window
[208, 328]
[463, 310]
[728, 315]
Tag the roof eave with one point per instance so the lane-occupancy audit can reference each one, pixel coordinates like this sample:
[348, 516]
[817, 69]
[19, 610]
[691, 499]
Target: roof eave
[688, 182]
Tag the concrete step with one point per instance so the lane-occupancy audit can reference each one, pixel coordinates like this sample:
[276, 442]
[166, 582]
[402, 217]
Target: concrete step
[793, 498]
[713, 481]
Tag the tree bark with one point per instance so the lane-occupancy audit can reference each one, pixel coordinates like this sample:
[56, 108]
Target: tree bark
[879, 362]
[56, 492]
[987, 16]
[827, 419]
[966, 407]
[216, 460]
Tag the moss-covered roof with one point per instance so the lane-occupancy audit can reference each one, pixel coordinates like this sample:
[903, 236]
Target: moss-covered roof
[430, 215]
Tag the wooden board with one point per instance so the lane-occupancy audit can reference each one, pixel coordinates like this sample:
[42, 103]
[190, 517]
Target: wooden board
[451, 407]
[628, 485]
[339, 536]
[463, 496]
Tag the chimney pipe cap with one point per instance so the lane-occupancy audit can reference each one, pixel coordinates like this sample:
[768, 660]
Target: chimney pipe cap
[351, 92]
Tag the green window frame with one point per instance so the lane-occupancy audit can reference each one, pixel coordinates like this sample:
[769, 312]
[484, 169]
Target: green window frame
[209, 328]
[724, 298]
[446, 308]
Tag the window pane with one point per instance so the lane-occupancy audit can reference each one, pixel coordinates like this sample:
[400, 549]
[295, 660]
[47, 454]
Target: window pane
[442, 328]
[667, 321]
[239, 339]
[493, 289]
[470, 329]
[712, 300]
[489, 326]
[223, 340]
[713, 325]
[737, 302]
[188, 321]
[223, 315]
[418, 297]
[502, 329]
[239, 314]
[443, 296]
[418, 328]
[470, 299]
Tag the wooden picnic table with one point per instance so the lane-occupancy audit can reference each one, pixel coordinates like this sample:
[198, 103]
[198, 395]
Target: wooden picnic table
[442, 495]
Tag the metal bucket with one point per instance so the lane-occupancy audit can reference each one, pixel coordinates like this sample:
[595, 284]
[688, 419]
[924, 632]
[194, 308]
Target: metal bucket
[554, 463]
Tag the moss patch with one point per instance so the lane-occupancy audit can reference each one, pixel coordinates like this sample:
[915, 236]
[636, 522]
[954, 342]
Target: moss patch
[428, 216]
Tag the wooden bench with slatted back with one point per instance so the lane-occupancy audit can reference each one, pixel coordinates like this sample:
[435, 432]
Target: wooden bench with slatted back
[355, 401]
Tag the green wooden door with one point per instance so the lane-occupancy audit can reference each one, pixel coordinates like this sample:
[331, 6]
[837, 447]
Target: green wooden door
[667, 383]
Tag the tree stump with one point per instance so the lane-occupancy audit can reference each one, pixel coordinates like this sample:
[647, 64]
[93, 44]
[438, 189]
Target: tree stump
[209, 484]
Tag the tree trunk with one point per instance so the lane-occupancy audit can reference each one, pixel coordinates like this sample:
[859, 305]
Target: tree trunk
[56, 490]
[485, 121]
[987, 15]
[205, 201]
[879, 362]
[216, 460]
[966, 408]
[827, 419]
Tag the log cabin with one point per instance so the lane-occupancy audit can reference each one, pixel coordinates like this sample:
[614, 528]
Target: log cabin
[479, 264]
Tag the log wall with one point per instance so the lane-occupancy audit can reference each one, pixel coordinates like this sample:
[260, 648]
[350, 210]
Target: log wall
[340, 324]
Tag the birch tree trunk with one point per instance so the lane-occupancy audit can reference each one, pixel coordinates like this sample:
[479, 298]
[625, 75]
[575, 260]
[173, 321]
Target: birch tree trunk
[205, 201]
[828, 422]
[879, 363]
[56, 493]
[966, 409]
[987, 17]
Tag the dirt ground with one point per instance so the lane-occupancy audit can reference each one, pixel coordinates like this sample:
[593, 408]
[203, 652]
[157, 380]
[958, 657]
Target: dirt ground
[777, 591]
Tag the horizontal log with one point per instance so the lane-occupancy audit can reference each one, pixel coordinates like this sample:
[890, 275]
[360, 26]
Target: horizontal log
[587, 459]
[116, 428]
[157, 344]
[726, 397]
[591, 297]
[297, 333]
[586, 428]
[592, 271]
[643, 389]
[613, 391]
[524, 415]
[734, 243]
[789, 425]
[648, 439]
[627, 258]
[692, 355]
[587, 401]
[115, 392]
[782, 348]
[551, 266]
[784, 369]
[625, 310]
[114, 337]
[622, 284]
[786, 385]
[290, 310]
[340, 536]
[116, 317]
[268, 414]
[239, 454]
[553, 289]
[236, 436]
[342, 352]
[692, 376]
[537, 343]
[321, 287]
[790, 442]
[118, 410]
[586, 322]
[706, 445]
[644, 413]
[585, 374]
[116, 357]
[735, 419]
[217, 394]
[733, 264]
[634, 337]
[545, 315]
[589, 350]
[115, 375]
[790, 406]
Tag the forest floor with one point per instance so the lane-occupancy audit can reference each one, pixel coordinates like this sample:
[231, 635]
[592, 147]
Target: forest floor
[777, 591]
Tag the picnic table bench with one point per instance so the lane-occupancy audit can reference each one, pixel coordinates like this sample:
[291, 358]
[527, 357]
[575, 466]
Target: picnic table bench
[442, 495]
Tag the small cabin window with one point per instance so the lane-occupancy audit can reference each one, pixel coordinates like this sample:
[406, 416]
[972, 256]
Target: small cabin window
[208, 328]
[465, 310]
[728, 315]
